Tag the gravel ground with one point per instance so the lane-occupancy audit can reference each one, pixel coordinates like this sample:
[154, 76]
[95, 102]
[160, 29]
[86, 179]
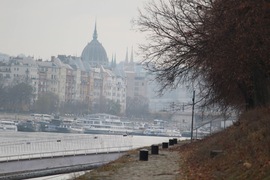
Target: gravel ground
[163, 166]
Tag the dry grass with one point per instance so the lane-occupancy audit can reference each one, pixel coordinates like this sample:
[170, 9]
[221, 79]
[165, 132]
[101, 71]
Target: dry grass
[245, 146]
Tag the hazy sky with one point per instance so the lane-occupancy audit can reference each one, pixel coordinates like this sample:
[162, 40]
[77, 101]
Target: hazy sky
[45, 28]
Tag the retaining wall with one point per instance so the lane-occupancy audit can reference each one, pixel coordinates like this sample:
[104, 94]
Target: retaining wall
[56, 165]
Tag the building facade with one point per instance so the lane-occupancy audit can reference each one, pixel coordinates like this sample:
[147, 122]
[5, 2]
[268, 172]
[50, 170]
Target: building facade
[90, 78]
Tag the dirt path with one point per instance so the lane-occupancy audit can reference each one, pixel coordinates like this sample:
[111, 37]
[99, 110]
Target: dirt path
[164, 166]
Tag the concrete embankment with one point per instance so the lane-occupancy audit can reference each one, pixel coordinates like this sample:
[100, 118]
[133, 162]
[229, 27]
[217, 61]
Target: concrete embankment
[48, 172]
[50, 166]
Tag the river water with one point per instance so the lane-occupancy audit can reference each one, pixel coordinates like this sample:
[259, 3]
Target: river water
[136, 142]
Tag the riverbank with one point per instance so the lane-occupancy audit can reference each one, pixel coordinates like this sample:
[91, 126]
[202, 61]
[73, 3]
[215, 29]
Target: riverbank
[162, 166]
[242, 151]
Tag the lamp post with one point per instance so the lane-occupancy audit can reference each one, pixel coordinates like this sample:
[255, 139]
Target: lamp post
[192, 117]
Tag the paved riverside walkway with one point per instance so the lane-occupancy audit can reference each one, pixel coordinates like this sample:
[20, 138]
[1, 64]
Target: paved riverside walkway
[164, 166]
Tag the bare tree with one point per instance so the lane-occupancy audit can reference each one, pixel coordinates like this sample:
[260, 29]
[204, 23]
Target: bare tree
[137, 107]
[19, 97]
[220, 46]
[47, 103]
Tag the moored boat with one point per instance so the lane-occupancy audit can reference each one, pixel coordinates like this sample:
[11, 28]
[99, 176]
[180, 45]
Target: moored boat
[6, 125]
[107, 124]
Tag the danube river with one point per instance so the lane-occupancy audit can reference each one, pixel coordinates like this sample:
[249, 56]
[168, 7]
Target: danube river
[133, 142]
[136, 141]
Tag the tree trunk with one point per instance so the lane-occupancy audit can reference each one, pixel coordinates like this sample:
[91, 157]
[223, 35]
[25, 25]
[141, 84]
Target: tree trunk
[261, 92]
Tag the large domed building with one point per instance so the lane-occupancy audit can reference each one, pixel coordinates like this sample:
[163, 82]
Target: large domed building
[94, 53]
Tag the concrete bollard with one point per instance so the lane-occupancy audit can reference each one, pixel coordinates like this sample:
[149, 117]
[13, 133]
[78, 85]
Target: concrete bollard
[154, 149]
[143, 155]
[171, 142]
[165, 145]
[175, 141]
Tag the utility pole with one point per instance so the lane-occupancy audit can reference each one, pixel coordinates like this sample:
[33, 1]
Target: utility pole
[192, 118]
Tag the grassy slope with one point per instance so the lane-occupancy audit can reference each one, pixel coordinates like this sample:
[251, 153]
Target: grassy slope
[245, 146]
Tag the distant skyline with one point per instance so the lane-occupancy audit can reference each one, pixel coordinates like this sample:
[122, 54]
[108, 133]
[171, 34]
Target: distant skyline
[45, 28]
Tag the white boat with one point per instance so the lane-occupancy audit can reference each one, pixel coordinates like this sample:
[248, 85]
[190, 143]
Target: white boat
[155, 132]
[107, 124]
[64, 125]
[41, 117]
[158, 129]
[8, 125]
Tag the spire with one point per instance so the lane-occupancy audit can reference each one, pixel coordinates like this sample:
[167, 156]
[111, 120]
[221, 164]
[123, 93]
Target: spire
[114, 60]
[95, 32]
[131, 56]
[126, 60]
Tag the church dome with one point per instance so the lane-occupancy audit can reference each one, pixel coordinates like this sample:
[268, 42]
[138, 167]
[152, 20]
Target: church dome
[94, 53]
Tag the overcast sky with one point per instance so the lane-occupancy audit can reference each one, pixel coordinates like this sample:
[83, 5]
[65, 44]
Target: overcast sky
[45, 28]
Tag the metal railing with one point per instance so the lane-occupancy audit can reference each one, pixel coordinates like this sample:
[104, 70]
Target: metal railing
[64, 146]
[212, 129]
